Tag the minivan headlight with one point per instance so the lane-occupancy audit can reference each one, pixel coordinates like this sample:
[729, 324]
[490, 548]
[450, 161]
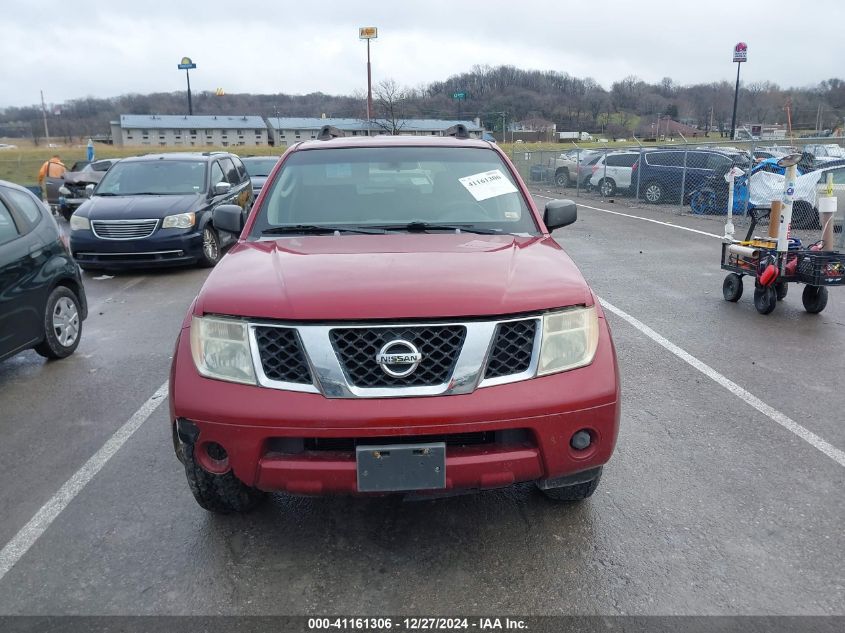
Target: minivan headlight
[179, 221]
[79, 223]
[569, 340]
[220, 348]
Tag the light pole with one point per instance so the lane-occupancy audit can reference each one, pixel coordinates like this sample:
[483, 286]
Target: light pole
[740, 55]
[186, 64]
[368, 33]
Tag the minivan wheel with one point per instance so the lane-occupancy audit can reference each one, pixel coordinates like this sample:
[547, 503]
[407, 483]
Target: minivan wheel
[574, 492]
[62, 324]
[222, 494]
[654, 193]
[607, 187]
[210, 246]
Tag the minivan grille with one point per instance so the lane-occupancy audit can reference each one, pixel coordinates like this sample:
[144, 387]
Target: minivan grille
[439, 345]
[512, 348]
[281, 355]
[123, 229]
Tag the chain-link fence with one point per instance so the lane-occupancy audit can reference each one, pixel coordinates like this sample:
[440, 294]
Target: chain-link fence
[689, 177]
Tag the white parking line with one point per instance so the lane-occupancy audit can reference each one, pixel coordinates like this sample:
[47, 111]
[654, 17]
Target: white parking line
[770, 412]
[38, 524]
[638, 217]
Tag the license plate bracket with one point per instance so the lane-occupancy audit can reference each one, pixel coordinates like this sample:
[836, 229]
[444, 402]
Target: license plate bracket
[401, 467]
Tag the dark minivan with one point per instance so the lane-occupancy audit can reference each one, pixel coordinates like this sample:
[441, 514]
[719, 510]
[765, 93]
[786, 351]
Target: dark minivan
[156, 210]
[42, 300]
[662, 175]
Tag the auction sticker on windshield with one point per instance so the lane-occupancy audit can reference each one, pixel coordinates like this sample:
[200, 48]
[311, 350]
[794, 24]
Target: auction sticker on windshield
[488, 184]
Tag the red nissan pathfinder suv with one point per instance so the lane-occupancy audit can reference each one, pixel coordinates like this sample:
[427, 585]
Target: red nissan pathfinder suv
[394, 316]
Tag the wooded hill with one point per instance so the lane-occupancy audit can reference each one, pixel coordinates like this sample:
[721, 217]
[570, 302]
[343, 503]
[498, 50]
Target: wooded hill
[535, 98]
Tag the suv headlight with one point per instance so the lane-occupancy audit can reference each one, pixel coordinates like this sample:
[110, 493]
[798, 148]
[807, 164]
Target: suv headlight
[79, 223]
[570, 338]
[220, 348]
[179, 221]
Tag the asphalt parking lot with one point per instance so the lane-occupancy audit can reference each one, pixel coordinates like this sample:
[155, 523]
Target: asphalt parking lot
[724, 496]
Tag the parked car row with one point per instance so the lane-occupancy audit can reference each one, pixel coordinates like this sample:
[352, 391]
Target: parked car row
[143, 211]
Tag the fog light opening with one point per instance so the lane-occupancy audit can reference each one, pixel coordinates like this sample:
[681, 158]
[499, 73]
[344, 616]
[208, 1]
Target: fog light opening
[214, 458]
[581, 440]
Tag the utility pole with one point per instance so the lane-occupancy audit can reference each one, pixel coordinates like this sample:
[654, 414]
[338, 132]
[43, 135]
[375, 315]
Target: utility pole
[44, 114]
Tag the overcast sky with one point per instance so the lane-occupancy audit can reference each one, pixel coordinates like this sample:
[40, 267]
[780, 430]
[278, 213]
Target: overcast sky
[106, 49]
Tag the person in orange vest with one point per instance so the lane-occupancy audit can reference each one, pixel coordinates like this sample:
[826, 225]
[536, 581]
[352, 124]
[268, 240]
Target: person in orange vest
[53, 168]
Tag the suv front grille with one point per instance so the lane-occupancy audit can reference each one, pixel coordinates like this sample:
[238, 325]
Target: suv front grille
[439, 345]
[123, 229]
[281, 355]
[512, 348]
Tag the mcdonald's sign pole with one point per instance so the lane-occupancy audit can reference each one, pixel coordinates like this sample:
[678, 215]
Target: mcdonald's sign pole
[368, 33]
[740, 55]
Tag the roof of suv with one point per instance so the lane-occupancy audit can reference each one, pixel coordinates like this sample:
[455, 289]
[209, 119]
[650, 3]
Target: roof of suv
[393, 141]
[177, 156]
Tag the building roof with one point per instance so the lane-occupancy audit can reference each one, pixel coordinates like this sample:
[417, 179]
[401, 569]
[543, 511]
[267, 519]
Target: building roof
[407, 125]
[201, 121]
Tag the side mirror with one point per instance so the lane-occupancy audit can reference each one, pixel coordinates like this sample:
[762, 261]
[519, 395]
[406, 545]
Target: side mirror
[559, 213]
[229, 218]
[221, 187]
[89, 189]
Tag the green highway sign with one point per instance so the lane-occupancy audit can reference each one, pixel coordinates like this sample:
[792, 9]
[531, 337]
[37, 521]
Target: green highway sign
[459, 95]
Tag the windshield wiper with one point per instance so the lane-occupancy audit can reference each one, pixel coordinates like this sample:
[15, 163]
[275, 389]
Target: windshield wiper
[318, 229]
[420, 227]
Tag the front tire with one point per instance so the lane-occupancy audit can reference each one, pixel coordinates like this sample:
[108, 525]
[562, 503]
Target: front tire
[732, 287]
[562, 178]
[211, 250]
[221, 494]
[814, 299]
[62, 324]
[765, 299]
[574, 492]
[607, 187]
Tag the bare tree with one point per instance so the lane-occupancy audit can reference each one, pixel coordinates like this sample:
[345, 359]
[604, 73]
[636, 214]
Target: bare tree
[390, 105]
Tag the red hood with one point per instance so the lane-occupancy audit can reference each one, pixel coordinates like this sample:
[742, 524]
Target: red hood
[392, 277]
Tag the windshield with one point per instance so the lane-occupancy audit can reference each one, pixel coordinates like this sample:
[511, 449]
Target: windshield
[259, 166]
[396, 186]
[160, 177]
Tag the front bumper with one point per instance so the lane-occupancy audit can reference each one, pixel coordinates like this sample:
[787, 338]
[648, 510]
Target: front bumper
[531, 421]
[165, 247]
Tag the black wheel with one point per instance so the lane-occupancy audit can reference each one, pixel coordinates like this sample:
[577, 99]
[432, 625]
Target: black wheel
[765, 299]
[66, 212]
[575, 492]
[607, 187]
[814, 299]
[62, 324]
[562, 177]
[211, 252]
[781, 289]
[732, 287]
[654, 192]
[223, 494]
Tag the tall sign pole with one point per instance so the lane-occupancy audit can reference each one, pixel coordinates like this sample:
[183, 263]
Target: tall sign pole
[186, 64]
[368, 33]
[740, 55]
